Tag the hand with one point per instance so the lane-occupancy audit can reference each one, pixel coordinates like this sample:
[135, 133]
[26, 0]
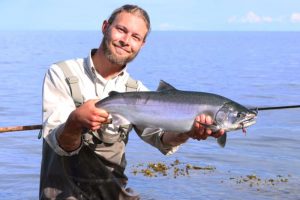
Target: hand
[89, 116]
[199, 132]
[85, 116]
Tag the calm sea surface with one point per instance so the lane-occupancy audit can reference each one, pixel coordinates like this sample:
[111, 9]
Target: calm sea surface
[253, 68]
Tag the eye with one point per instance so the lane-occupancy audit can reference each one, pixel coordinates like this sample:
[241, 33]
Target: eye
[240, 115]
[137, 38]
[121, 30]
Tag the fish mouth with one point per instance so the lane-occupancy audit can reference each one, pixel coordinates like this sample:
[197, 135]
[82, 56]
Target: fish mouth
[248, 121]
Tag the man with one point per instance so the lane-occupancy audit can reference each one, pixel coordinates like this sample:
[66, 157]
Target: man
[83, 156]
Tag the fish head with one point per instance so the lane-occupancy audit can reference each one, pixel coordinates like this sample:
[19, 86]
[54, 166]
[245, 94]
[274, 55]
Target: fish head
[233, 116]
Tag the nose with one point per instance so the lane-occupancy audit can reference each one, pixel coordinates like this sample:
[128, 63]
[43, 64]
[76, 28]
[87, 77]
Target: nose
[125, 40]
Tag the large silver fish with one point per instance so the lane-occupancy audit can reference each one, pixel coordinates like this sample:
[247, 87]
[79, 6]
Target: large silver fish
[175, 111]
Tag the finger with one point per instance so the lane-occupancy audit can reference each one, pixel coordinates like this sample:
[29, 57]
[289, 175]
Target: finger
[199, 133]
[92, 125]
[221, 132]
[218, 134]
[101, 112]
[91, 101]
[208, 120]
[197, 122]
[97, 119]
[202, 118]
[208, 131]
[197, 126]
[96, 127]
[103, 120]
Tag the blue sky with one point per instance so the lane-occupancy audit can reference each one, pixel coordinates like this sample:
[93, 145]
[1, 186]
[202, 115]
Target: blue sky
[232, 15]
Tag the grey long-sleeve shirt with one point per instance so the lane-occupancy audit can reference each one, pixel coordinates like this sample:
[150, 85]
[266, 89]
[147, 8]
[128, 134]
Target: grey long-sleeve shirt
[58, 104]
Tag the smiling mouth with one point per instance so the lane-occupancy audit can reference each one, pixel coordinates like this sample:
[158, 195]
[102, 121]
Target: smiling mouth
[122, 49]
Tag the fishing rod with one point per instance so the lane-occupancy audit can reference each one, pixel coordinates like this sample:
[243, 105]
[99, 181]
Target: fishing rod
[274, 107]
[39, 126]
[20, 128]
[31, 127]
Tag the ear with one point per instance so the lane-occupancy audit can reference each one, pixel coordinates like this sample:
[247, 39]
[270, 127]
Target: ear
[143, 43]
[105, 26]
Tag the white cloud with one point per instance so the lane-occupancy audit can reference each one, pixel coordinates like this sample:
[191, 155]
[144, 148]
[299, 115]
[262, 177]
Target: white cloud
[267, 19]
[165, 26]
[251, 17]
[295, 17]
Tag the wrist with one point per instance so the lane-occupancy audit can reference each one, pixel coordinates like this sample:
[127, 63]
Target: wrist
[73, 122]
[68, 142]
[69, 135]
[185, 135]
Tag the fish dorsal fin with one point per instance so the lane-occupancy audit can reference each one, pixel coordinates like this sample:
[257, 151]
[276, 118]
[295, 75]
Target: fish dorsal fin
[112, 93]
[164, 86]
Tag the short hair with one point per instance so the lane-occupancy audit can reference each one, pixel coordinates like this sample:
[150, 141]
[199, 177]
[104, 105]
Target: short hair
[133, 9]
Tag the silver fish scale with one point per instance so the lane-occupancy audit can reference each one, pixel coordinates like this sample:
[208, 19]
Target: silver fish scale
[175, 110]
[171, 110]
[174, 96]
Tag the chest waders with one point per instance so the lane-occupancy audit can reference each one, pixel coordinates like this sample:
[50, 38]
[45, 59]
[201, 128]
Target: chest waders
[86, 175]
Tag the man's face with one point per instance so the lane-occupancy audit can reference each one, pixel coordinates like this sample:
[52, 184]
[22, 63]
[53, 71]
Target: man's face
[123, 38]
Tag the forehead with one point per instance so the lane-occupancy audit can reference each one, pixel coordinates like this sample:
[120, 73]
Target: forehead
[132, 21]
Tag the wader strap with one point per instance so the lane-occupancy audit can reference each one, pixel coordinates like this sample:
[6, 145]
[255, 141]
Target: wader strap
[109, 138]
[124, 130]
[72, 82]
[131, 85]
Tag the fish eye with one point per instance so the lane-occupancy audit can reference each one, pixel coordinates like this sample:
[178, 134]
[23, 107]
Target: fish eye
[240, 114]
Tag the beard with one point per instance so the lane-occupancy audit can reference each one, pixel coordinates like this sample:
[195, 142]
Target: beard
[112, 57]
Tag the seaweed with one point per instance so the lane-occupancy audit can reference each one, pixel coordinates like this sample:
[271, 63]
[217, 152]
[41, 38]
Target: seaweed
[175, 169]
[253, 180]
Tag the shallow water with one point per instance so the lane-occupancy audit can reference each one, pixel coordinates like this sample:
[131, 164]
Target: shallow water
[253, 68]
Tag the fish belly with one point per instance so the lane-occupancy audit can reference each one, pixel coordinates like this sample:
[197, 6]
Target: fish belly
[175, 118]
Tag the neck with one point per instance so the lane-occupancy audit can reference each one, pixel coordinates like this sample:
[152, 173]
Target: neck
[104, 67]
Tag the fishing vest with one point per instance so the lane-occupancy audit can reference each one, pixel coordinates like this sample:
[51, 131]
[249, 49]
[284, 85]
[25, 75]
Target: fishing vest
[86, 175]
[73, 83]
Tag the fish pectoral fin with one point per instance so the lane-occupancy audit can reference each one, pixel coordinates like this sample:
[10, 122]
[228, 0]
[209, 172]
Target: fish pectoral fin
[222, 140]
[119, 119]
[164, 86]
[215, 128]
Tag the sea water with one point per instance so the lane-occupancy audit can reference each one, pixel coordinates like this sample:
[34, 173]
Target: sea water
[252, 68]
